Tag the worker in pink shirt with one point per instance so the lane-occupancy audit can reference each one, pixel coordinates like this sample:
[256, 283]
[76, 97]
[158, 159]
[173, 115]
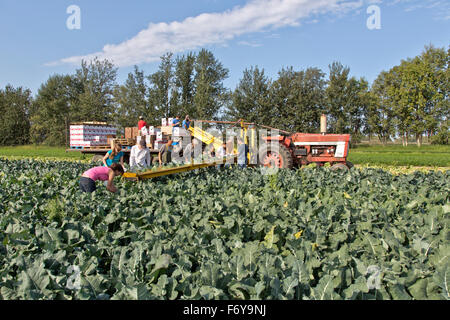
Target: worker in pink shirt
[87, 180]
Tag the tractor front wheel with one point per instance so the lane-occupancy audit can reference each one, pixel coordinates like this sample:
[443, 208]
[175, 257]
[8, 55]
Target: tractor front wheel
[275, 157]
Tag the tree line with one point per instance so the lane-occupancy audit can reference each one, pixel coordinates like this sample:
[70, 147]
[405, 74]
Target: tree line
[410, 99]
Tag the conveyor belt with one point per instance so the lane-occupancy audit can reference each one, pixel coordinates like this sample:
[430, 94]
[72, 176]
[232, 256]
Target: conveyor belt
[167, 171]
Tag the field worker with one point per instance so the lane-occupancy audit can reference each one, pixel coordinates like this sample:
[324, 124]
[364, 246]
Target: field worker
[115, 155]
[176, 122]
[242, 153]
[188, 152]
[140, 155]
[220, 154]
[165, 153]
[229, 150]
[87, 180]
[141, 123]
[186, 123]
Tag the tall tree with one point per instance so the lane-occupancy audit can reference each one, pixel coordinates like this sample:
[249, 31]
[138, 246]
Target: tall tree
[210, 94]
[379, 114]
[298, 98]
[15, 104]
[337, 97]
[161, 85]
[359, 101]
[54, 108]
[184, 84]
[251, 98]
[131, 100]
[97, 81]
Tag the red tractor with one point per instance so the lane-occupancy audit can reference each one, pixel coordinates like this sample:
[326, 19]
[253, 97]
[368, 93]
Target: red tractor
[299, 149]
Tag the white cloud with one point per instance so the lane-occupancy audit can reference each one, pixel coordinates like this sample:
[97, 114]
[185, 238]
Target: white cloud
[250, 44]
[212, 28]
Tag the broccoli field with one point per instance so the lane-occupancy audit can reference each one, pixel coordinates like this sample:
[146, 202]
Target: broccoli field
[302, 234]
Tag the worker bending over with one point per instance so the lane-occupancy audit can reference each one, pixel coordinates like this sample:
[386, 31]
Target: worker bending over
[88, 179]
[140, 155]
[165, 153]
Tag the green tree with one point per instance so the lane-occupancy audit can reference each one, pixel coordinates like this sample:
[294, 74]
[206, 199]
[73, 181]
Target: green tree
[337, 97]
[379, 113]
[417, 90]
[15, 104]
[161, 84]
[251, 98]
[297, 99]
[96, 82]
[131, 100]
[184, 84]
[54, 108]
[210, 94]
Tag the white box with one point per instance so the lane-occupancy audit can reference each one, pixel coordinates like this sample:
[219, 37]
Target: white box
[154, 130]
[164, 122]
[180, 132]
[159, 135]
[170, 121]
[144, 131]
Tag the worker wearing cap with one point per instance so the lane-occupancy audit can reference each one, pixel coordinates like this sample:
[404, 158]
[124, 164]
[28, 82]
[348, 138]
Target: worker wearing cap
[165, 153]
[141, 123]
[140, 155]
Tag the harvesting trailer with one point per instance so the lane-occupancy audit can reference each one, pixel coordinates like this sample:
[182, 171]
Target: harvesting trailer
[286, 150]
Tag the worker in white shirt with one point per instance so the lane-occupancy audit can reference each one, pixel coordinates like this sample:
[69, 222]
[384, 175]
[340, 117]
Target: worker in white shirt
[140, 155]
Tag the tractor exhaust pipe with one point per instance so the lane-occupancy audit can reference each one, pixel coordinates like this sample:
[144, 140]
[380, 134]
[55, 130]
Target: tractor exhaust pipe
[323, 124]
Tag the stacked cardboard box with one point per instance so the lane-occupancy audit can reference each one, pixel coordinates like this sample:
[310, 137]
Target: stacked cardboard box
[180, 132]
[90, 135]
[166, 129]
[153, 130]
[131, 132]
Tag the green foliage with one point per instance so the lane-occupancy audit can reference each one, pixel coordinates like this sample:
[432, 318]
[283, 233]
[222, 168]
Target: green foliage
[251, 98]
[210, 94]
[15, 105]
[415, 94]
[131, 100]
[224, 234]
[297, 99]
[52, 111]
[95, 82]
[442, 136]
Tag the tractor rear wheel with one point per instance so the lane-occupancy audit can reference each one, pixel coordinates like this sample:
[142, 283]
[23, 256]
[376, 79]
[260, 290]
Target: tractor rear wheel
[278, 157]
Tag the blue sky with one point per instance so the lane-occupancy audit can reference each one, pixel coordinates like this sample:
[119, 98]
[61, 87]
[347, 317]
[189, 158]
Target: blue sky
[36, 43]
